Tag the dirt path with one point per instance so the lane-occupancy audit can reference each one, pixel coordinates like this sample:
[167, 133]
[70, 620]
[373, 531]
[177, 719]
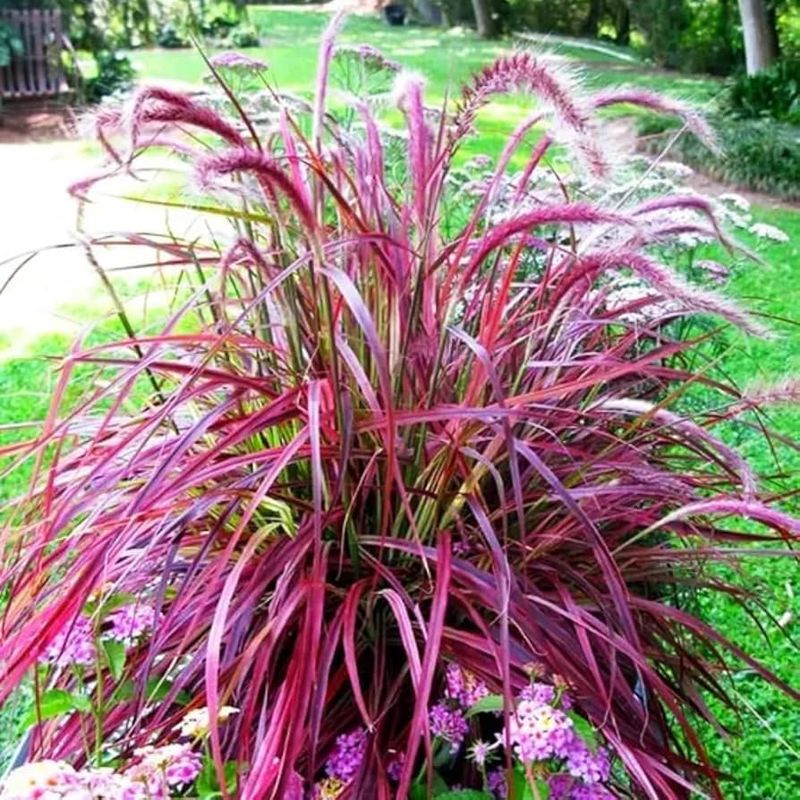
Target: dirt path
[622, 131]
[37, 213]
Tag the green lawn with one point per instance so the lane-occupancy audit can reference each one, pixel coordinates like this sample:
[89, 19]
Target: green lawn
[447, 59]
[763, 758]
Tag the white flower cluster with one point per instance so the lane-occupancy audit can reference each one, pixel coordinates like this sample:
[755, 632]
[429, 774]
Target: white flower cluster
[769, 232]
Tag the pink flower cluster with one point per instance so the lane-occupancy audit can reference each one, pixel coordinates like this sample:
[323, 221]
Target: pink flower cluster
[159, 768]
[151, 778]
[447, 718]
[539, 731]
[75, 645]
[131, 622]
[345, 761]
[565, 787]
[463, 687]
[232, 60]
[342, 765]
[449, 723]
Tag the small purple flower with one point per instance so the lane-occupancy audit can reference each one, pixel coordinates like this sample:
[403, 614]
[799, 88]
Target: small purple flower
[345, 761]
[463, 687]
[449, 724]
[593, 791]
[481, 752]
[588, 766]
[496, 783]
[131, 622]
[538, 693]
[237, 61]
[184, 768]
[75, 645]
[395, 767]
[560, 786]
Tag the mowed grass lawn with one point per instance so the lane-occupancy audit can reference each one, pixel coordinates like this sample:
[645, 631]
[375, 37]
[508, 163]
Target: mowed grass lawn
[764, 757]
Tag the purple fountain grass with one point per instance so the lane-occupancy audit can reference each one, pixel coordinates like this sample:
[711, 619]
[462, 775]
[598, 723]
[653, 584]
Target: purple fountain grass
[365, 448]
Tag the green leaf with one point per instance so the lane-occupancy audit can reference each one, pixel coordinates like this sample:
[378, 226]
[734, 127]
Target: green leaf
[492, 702]
[115, 656]
[80, 702]
[54, 703]
[103, 606]
[584, 729]
[231, 776]
[206, 783]
[521, 789]
[465, 794]
[157, 689]
[442, 753]
[419, 789]
[207, 787]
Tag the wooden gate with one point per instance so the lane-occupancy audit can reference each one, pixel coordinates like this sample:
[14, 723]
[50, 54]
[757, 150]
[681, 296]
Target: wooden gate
[37, 71]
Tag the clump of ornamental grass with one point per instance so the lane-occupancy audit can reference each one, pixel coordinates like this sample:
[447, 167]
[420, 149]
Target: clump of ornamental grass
[391, 448]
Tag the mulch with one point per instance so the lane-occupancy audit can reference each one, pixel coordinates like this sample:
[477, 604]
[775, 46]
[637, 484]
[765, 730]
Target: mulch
[39, 121]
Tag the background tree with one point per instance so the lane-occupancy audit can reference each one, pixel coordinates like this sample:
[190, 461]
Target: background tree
[663, 23]
[484, 20]
[760, 37]
[622, 21]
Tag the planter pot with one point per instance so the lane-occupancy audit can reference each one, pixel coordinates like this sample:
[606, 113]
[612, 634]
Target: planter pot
[395, 14]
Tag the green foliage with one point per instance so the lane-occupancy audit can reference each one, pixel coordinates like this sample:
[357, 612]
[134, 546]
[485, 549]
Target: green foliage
[663, 23]
[522, 788]
[773, 93]
[207, 786]
[10, 44]
[756, 154]
[222, 20]
[56, 703]
[114, 73]
[712, 39]
[542, 15]
[245, 36]
[170, 36]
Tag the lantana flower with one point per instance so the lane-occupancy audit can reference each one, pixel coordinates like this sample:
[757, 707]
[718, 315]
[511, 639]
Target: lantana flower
[196, 723]
[74, 645]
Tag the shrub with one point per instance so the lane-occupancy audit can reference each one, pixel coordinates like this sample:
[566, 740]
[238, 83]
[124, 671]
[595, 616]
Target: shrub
[115, 73]
[170, 36]
[773, 93]
[400, 469]
[755, 154]
[245, 36]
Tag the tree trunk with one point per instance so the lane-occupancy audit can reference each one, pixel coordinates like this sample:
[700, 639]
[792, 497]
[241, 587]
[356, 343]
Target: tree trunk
[759, 46]
[429, 11]
[591, 24]
[483, 18]
[622, 23]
